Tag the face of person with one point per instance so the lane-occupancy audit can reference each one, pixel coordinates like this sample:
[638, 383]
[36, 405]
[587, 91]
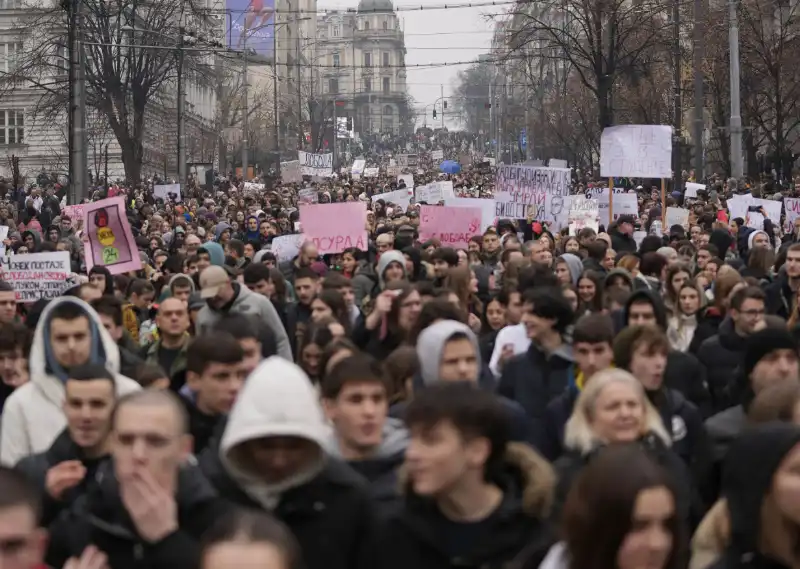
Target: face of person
[495, 315]
[514, 308]
[88, 406]
[305, 289]
[536, 326]
[618, 414]
[108, 323]
[641, 314]
[276, 459]
[586, 289]
[71, 341]
[648, 543]
[22, 542]
[358, 414]
[8, 307]
[761, 241]
[217, 387]
[473, 247]
[410, 307]
[252, 224]
[98, 281]
[13, 368]
[592, 358]
[147, 441]
[309, 254]
[609, 259]
[29, 242]
[348, 295]
[463, 260]
[394, 272]
[695, 233]
[562, 272]
[678, 280]
[320, 310]
[383, 244]
[689, 300]
[572, 298]
[647, 365]
[437, 457]
[440, 268]
[173, 317]
[459, 361]
[777, 366]
[703, 257]
[572, 246]
[749, 317]
[311, 355]
[53, 235]
[192, 244]
[66, 224]
[348, 262]
[252, 355]
[263, 287]
[203, 262]
[792, 264]
[491, 243]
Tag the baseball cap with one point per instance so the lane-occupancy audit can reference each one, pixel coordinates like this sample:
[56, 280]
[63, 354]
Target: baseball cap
[212, 279]
[626, 219]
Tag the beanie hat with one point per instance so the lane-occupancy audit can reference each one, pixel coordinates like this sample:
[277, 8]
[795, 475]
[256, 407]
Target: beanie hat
[764, 342]
[752, 237]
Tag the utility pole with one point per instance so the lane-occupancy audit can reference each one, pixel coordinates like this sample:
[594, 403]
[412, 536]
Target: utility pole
[78, 164]
[181, 114]
[335, 132]
[245, 125]
[677, 110]
[699, 98]
[737, 162]
[299, 94]
[275, 139]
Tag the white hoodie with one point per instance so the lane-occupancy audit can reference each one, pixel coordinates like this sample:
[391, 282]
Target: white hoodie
[33, 415]
[277, 400]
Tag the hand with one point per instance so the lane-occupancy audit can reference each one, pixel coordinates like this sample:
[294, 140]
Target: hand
[383, 303]
[151, 508]
[505, 354]
[63, 476]
[474, 322]
[91, 558]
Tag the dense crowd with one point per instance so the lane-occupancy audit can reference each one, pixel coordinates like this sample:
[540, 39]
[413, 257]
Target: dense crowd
[537, 399]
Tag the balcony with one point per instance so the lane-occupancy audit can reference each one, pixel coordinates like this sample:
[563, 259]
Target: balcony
[373, 34]
[380, 96]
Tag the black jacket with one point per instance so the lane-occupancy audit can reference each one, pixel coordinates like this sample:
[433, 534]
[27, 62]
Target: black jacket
[622, 242]
[722, 355]
[99, 518]
[780, 297]
[35, 467]
[202, 427]
[687, 375]
[332, 516]
[556, 415]
[420, 537]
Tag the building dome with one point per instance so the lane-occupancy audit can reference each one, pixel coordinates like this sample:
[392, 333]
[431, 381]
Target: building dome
[371, 6]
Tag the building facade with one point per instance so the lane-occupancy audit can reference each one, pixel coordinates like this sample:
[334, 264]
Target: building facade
[361, 59]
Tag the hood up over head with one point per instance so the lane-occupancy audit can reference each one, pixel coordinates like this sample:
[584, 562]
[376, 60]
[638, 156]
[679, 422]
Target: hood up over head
[641, 296]
[430, 346]
[574, 264]
[392, 256]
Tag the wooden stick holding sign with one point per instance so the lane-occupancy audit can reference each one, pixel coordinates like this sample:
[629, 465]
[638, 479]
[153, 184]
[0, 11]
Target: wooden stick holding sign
[610, 201]
[664, 205]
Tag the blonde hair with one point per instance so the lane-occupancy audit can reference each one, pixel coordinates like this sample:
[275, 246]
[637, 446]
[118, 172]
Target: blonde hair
[579, 435]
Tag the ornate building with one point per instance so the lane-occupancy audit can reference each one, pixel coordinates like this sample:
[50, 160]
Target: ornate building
[361, 64]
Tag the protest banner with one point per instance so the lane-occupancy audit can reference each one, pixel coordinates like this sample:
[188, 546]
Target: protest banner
[583, 213]
[315, 164]
[437, 155]
[596, 191]
[371, 172]
[253, 187]
[677, 216]
[792, 211]
[637, 151]
[38, 275]
[393, 171]
[75, 213]
[408, 179]
[290, 172]
[739, 206]
[358, 167]
[110, 241]
[692, 189]
[486, 206]
[401, 197]
[452, 226]
[335, 227]
[407, 160]
[167, 192]
[556, 163]
[534, 192]
[286, 247]
[624, 203]
[307, 196]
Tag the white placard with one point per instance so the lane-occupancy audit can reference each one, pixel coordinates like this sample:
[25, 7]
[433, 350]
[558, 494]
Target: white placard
[401, 197]
[624, 204]
[358, 167]
[286, 247]
[371, 172]
[556, 163]
[316, 164]
[533, 191]
[677, 216]
[692, 189]
[638, 151]
[638, 237]
[253, 187]
[792, 211]
[739, 205]
[583, 213]
[437, 155]
[290, 172]
[434, 192]
[37, 275]
[163, 191]
[408, 179]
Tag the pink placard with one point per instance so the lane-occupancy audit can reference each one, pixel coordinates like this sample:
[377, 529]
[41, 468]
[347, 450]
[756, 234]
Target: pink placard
[335, 227]
[453, 226]
[75, 213]
[110, 241]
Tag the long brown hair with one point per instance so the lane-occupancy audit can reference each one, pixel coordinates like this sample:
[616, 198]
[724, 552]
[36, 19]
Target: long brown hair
[458, 280]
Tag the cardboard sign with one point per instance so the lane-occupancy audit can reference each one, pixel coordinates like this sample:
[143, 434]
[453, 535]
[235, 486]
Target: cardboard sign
[110, 241]
[286, 247]
[692, 189]
[636, 151]
[168, 192]
[677, 216]
[335, 227]
[38, 275]
[453, 226]
[315, 164]
[307, 196]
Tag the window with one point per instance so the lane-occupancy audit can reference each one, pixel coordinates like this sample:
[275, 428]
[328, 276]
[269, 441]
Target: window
[333, 85]
[10, 53]
[367, 59]
[10, 4]
[385, 59]
[336, 31]
[388, 110]
[386, 86]
[385, 25]
[366, 25]
[12, 125]
[336, 60]
[61, 62]
[367, 85]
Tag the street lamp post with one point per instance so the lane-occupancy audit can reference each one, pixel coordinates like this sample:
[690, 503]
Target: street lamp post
[78, 158]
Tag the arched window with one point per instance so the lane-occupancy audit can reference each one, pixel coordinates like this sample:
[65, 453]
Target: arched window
[388, 110]
[366, 24]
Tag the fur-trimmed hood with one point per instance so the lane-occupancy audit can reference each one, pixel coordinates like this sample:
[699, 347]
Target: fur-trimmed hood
[712, 537]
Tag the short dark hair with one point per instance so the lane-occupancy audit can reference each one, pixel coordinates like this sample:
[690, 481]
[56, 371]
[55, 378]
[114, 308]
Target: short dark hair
[446, 254]
[746, 293]
[181, 280]
[255, 273]
[140, 287]
[652, 264]
[550, 303]
[68, 311]
[593, 329]
[17, 491]
[153, 397]
[14, 336]
[436, 309]
[6, 286]
[147, 374]
[335, 281]
[110, 306]
[358, 368]
[219, 347]
[237, 246]
[89, 372]
[305, 273]
[634, 337]
[535, 276]
[596, 249]
[244, 327]
[472, 411]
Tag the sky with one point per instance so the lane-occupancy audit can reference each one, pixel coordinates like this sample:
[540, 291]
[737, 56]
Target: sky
[436, 36]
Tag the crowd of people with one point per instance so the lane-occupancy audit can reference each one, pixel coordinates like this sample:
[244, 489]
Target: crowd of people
[537, 399]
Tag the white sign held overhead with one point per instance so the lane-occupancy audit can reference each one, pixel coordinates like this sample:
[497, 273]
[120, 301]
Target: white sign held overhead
[692, 189]
[437, 155]
[741, 206]
[168, 192]
[486, 206]
[677, 216]
[434, 193]
[253, 187]
[534, 192]
[37, 275]
[623, 204]
[371, 172]
[315, 164]
[401, 197]
[358, 167]
[286, 247]
[639, 151]
[583, 213]
[290, 172]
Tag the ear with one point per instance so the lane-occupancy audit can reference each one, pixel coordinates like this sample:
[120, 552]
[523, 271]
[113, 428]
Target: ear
[329, 408]
[192, 380]
[478, 451]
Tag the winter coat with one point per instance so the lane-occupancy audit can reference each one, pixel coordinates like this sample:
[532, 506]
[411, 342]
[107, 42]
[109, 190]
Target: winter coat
[780, 297]
[99, 518]
[687, 375]
[420, 536]
[711, 537]
[327, 506]
[622, 242]
[253, 305]
[364, 283]
[708, 324]
[722, 355]
[33, 415]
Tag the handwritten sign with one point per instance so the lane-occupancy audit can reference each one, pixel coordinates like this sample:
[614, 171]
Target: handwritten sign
[583, 213]
[437, 155]
[358, 167]
[677, 216]
[167, 192]
[692, 189]
[393, 170]
[435, 192]
[739, 207]
[532, 191]
[639, 151]
[624, 204]
[74, 212]
[371, 172]
[485, 205]
[290, 172]
[792, 211]
[307, 196]
[286, 247]
[315, 164]
[401, 197]
[253, 187]
[453, 226]
[38, 275]
[335, 227]
[110, 241]
[408, 179]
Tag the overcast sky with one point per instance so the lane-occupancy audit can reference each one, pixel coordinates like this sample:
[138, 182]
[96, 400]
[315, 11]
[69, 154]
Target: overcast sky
[436, 36]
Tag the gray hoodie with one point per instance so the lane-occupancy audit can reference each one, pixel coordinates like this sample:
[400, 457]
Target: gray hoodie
[383, 264]
[430, 346]
[574, 264]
